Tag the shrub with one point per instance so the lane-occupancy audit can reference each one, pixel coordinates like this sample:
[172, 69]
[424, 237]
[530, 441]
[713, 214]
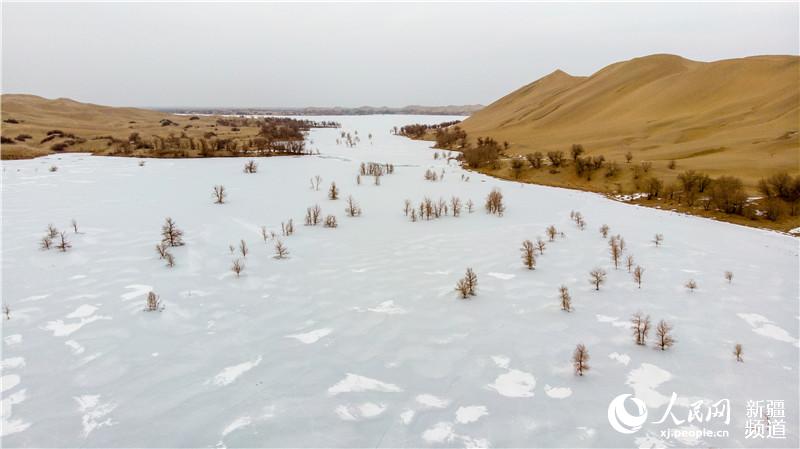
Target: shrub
[528, 258]
[579, 359]
[597, 277]
[153, 303]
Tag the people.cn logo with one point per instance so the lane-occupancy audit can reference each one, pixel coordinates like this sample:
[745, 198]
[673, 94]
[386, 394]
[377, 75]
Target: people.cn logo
[621, 420]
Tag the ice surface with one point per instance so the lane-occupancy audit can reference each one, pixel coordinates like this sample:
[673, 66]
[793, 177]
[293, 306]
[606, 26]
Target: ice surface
[384, 287]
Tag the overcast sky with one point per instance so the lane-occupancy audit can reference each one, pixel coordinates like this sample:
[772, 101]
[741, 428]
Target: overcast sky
[279, 54]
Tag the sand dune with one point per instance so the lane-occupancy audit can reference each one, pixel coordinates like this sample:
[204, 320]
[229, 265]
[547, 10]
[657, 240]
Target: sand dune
[737, 116]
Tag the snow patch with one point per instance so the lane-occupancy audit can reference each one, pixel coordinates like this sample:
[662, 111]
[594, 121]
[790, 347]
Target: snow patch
[471, 413]
[429, 400]
[621, 358]
[644, 381]
[558, 392]
[353, 383]
[357, 412]
[502, 276]
[83, 311]
[514, 384]
[311, 337]
[14, 339]
[501, 361]
[388, 307]
[231, 373]
[93, 413]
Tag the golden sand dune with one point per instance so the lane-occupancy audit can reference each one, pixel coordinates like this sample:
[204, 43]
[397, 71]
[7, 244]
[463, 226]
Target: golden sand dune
[738, 116]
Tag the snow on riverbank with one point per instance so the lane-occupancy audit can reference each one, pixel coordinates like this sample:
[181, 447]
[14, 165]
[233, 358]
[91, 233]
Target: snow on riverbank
[358, 338]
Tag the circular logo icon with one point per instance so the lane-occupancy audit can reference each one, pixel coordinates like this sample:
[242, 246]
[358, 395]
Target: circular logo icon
[621, 420]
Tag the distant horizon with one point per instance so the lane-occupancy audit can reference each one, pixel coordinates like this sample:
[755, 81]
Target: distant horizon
[352, 54]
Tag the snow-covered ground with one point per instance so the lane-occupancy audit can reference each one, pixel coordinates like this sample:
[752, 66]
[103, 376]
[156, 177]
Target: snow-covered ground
[358, 338]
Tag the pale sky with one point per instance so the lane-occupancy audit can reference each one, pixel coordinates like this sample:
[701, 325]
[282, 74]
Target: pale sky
[352, 54]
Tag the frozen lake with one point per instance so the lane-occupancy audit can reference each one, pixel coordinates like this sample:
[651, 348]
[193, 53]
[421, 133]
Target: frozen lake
[358, 338]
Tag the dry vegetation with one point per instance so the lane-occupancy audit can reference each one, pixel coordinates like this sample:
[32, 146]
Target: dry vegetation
[661, 129]
[34, 126]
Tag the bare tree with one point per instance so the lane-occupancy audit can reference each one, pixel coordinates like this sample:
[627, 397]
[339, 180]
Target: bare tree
[330, 221]
[7, 311]
[455, 205]
[604, 230]
[170, 259]
[74, 225]
[691, 285]
[640, 325]
[52, 232]
[352, 208]
[494, 202]
[287, 228]
[232, 249]
[377, 178]
[313, 215]
[170, 234]
[413, 215]
[281, 251]
[551, 232]
[219, 194]
[616, 253]
[597, 277]
[333, 192]
[729, 276]
[358, 180]
[237, 267]
[637, 275]
[665, 340]
[462, 287]
[579, 359]
[153, 303]
[658, 239]
[315, 182]
[264, 233]
[470, 206]
[540, 245]
[407, 207]
[472, 281]
[243, 248]
[737, 351]
[629, 262]
[46, 242]
[250, 167]
[566, 300]
[528, 258]
[63, 244]
[628, 157]
[161, 249]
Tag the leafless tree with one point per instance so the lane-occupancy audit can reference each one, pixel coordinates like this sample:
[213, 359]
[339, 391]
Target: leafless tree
[658, 239]
[358, 180]
[629, 262]
[63, 244]
[170, 259]
[566, 300]
[729, 276]
[638, 272]
[579, 359]
[237, 267]
[170, 234]
[52, 232]
[7, 311]
[153, 303]
[551, 232]
[620, 242]
[407, 207]
[232, 249]
[494, 202]
[604, 230]
[691, 285]
[352, 208]
[287, 228]
[413, 215]
[330, 221]
[161, 249]
[628, 157]
[219, 194]
[46, 242]
[315, 182]
[264, 233]
[462, 287]
[243, 248]
[665, 340]
[470, 206]
[313, 215]
[74, 225]
[597, 277]
[455, 205]
[640, 325]
[579, 221]
[737, 351]
[250, 167]
[540, 245]
[377, 178]
[281, 251]
[616, 253]
[528, 257]
[333, 192]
